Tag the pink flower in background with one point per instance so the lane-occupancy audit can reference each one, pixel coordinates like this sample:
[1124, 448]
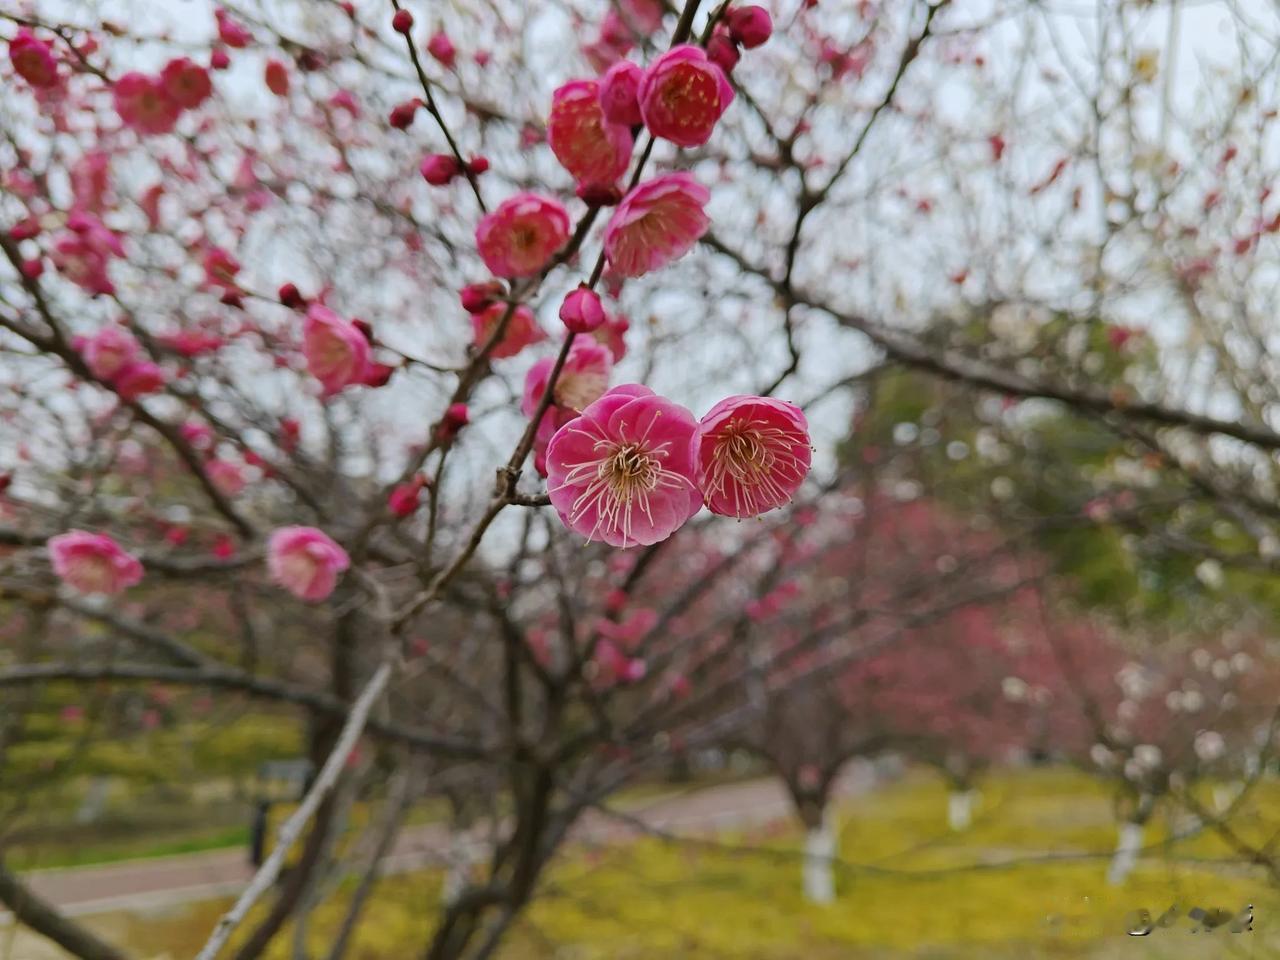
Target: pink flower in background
[683, 95]
[620, 93]
[230, 31]
[220, 268]
[33, 59]
[613, 335]
[522, 330]
[642, 16]
[521, 236]
[226, 476]
[199, 436]
[109, 351]
[628, 633]
[91, 180]
[138, 379]
[657, 222]
[305, 561]
[93, 562]
[751, 455]
[442, 48]
[591, 148]
[144, 104]
[83, 253]
[186, 83]
[621, 472]
[337, 351]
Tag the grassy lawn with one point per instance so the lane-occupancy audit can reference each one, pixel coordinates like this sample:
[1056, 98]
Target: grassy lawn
[908, 888]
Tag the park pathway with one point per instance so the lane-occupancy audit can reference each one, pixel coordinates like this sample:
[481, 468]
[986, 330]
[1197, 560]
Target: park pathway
[188, 878]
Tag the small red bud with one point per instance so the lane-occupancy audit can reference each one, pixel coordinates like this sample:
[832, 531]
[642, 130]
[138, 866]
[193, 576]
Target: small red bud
[25, 229]
[478, 165]
[290, 297]
[723, 52]
[402, 22]
[232, 298]
[478, 297]
[582, 311]
[402, 114]
[600, 194]
[439, 169]
[750, 26]
[219, 59]
[33, 268]
[442, 48]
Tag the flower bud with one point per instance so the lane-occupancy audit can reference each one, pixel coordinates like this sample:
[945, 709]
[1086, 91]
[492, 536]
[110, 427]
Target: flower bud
[290, 297]
[478, 297]
[402, 22]
[722, 51]
[402, 114]
[599, 194]
[750, 26]
[478, 165]
[582, 311]
[439, 169]
[442, 48]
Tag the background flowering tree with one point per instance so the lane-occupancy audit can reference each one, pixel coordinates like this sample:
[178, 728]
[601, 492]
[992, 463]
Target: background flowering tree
[284, 416]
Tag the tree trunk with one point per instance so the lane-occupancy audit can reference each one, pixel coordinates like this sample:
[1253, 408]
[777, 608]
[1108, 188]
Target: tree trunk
[960, 803]
[819, 852]
[458, 874]
[1126, 855]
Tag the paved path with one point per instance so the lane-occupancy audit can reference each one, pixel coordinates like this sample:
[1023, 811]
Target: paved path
[186, 878]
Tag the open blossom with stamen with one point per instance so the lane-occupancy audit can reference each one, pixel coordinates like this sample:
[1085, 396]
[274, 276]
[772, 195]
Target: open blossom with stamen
[592, 149]
[622, 472]
[522, 234]
[657, 222]
[751, 455]
[337, 351]
[93, 562]
[522, 330]
[683, 95]
[305, 561]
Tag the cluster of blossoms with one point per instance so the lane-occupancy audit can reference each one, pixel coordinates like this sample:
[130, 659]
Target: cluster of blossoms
[83, 252]
[116, 358]
[625, 465]
[303, 560]
[634, 466]
[152, 104]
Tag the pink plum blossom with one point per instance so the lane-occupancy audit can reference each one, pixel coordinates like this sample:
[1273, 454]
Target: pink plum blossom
[588, 145]
[33, 59]
[613, 334]
[83, 253]
[621, 472]
[751, 455]
[582, 381]
[305, 561]
[226, 476]
[522, 330]
[657, 222]
[186, 82]
[138, 379]
[522, 235]
[620, 93]
[683, 95]
[337, 351]
[93, 562]
[109, 351]
[144, 104]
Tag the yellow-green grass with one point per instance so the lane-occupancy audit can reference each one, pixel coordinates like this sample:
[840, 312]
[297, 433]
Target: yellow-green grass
[1027, 881]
